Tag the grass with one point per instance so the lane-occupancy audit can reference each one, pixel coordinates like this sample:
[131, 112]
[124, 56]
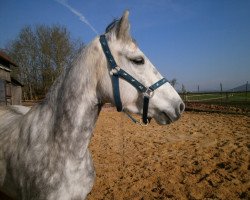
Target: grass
[234, 99]
[225, 96]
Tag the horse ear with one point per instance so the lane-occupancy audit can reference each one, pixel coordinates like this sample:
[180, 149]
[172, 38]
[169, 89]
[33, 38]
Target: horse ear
[122, 31]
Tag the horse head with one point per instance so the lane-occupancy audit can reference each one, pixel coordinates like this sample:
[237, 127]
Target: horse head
[165, 105]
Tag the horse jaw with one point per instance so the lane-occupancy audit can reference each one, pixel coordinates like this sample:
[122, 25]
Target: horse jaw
[166, 106]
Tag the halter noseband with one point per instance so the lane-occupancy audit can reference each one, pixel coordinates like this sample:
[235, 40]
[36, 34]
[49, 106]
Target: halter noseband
[116, 72]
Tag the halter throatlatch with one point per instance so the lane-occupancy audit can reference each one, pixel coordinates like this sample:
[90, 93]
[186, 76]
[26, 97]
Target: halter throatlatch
[116, 72]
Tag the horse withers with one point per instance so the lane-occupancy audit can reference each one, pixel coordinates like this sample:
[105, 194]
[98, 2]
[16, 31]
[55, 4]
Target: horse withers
[44, 150]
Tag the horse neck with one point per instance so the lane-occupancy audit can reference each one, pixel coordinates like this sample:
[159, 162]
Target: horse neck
[74, 103]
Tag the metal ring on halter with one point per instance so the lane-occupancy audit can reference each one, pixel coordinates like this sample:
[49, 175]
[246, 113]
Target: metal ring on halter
[142, 124]
[114, 70]
[148, 93]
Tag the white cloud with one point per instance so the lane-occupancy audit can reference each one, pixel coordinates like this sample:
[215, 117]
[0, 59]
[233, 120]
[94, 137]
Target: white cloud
[77, 13]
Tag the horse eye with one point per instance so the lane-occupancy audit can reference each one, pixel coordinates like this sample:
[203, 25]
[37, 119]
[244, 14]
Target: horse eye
[138, 61]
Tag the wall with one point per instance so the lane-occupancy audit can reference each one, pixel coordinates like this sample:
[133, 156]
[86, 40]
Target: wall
[4, 74]
[16, 95]
[2, 93]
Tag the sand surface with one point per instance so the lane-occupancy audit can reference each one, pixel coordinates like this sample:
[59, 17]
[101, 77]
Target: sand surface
[202, 156]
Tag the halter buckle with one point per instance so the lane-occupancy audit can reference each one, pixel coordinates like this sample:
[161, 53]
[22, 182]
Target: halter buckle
[114, 71]
[148, 93]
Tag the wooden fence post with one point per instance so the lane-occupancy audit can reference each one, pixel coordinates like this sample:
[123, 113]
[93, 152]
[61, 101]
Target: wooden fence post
[221, 94]
[246, 90]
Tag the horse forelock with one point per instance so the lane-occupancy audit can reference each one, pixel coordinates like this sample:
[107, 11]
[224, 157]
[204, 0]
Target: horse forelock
[113, 29]
[112, 25]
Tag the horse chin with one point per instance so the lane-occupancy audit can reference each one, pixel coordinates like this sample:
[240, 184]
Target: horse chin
[163, 119]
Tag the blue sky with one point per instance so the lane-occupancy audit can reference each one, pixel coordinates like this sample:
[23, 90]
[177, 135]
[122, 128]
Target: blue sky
[198, 42]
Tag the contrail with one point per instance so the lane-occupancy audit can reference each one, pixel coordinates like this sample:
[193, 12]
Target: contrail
[77, 13]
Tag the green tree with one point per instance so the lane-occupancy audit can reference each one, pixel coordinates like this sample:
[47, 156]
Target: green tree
[42, 52]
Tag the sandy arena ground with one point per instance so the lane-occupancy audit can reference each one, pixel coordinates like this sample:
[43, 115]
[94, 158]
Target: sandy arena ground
[202, 156]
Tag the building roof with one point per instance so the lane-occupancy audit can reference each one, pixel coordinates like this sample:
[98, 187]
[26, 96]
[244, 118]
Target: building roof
[6, 58]
[16, 82]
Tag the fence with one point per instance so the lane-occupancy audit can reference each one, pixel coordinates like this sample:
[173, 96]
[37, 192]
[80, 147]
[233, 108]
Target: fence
[225, 100]
[215, 96]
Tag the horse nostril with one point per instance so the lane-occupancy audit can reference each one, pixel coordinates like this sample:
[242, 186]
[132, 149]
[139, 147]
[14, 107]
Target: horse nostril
[182, 107]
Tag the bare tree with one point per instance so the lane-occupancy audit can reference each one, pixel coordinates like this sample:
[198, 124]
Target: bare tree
[42, 53]
[183, 88]
[173, 82]
[23, 51]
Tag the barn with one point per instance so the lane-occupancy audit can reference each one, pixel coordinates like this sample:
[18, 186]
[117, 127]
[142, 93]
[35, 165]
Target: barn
[10, 88]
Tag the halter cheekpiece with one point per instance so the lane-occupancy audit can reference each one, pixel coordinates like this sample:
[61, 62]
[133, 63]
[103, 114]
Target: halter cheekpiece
[116, 72]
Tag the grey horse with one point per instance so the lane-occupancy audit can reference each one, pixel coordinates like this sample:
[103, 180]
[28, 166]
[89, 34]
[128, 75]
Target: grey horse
[44, 150]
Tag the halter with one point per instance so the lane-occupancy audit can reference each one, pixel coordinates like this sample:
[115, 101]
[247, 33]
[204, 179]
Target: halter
[116, 72]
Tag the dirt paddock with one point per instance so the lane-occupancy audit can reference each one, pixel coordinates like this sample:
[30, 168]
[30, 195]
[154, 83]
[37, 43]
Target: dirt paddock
[202, 156]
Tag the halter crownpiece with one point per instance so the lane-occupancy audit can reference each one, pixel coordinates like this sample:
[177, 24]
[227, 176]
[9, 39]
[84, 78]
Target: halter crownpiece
[116, 73]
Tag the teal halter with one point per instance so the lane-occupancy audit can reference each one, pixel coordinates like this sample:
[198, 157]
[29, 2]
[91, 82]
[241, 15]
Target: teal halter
[116, 73]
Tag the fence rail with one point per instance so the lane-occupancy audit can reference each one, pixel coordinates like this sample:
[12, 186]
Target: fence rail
[215, 96]
[222, 100]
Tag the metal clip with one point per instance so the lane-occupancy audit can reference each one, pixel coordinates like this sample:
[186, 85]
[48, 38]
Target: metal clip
[142, 123]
